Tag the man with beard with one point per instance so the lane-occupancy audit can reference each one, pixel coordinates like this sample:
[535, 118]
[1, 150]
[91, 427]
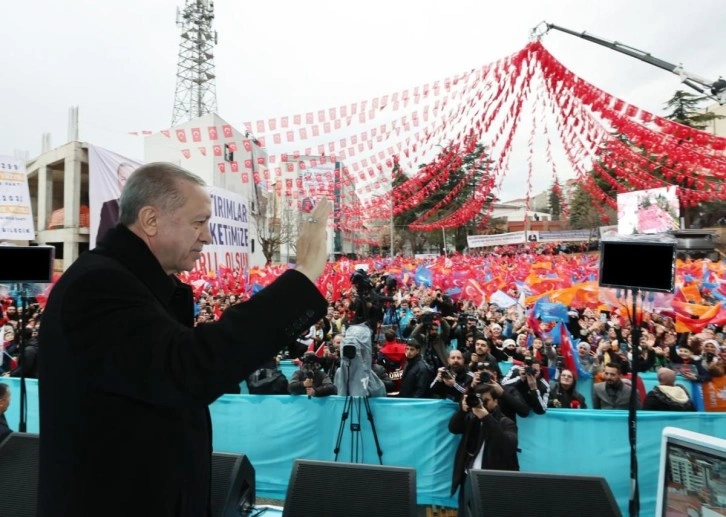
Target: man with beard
[482, 354]
[416, 374]
[612, 393]
[452, 381]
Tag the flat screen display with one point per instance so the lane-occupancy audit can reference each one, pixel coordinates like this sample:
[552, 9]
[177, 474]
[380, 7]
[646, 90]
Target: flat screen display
[32, 264]
[645, 266]
[692, 477]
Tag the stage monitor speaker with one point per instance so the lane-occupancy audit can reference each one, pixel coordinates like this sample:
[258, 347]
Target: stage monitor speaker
[27, 264]
[233, 485]
[499, 493]
[19, 475]
[643, 264]
[332, 489]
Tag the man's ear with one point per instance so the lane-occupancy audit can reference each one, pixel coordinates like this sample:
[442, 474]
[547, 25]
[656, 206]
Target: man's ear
[148, 220]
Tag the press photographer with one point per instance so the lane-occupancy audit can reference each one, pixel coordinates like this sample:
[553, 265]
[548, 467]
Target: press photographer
[310, 379]
[527, 379]
[452, 381]
[489, 439]
[433, 333]
[511, 401]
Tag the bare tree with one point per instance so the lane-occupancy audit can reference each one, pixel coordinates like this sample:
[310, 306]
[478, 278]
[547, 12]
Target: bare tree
[274, 231]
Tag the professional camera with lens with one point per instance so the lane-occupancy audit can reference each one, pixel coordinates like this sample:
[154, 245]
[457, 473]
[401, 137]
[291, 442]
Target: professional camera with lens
[429, 319]
[309, 361]
[472, 399]
[445, 373]
[528, 370]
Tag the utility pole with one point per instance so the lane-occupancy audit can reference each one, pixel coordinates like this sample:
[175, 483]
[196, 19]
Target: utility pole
[196, 93]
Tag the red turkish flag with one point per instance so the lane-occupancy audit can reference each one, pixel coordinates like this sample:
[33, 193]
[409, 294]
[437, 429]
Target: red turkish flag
[181, 135]
[256, 177]
[313, 163]
[296, 119]
[232, 147]
[247, 145]
[248, 164]
[301, 165]
[326, 127]
[266, 174]
[278, 172]
[245, 177]
[165, 132]
[261, 140]
[217, 150]
[298, 182]
[234, 166]
[303, 133]
[221, 166]
[309, 118]
[186, 153]
[196, 134]
[290, 167]
[203, 150]
[284, 121]
[276, 138]
[261, 160]
[227, 131]
[212, 130]
[290, 136]
[288, 183]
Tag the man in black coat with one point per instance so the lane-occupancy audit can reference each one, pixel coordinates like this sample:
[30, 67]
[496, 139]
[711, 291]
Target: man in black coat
[489, 439]
[125, 378]
[417, 375]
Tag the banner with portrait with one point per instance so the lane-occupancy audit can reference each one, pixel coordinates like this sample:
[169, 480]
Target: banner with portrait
[107, 174]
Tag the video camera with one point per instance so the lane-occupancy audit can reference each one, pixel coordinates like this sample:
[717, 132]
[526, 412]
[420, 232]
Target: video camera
[428, 319]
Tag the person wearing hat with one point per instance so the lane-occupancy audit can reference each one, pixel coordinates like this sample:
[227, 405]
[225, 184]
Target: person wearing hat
[509, 350]
[712, 361]
[416, 375]
[667, 395]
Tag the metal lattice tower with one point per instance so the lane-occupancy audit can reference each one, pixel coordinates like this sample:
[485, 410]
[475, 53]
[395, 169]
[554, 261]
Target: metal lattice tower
[196, 93]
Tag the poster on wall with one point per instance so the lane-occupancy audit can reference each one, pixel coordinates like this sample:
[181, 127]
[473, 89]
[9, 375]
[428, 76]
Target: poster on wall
[107, 175]
[648, 211]
[16, 214]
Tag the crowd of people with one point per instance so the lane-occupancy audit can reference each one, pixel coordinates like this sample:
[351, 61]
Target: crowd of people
[428, 344]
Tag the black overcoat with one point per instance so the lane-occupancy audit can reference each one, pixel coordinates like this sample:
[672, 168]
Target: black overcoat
[125, 380]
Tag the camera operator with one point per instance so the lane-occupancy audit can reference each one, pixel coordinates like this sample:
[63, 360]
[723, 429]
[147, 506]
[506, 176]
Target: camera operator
[310, 379]
[433, 334]
[489, 439]
[528, 381]
[330, 361]
[464, 327]
[441, 303]
[511, 401]
[452, 381]
[413, 321]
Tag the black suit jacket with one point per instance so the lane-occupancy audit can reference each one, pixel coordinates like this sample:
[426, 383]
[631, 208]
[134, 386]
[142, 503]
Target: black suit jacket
[125, 380]
[497, 432]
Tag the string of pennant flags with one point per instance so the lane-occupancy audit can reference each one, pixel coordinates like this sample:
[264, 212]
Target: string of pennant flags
[626, 147]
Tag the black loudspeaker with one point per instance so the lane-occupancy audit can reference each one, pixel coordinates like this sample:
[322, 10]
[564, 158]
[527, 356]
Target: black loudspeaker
[332, 489]
[19, 475]
[644, 264]
[499, 493]
[31, 264]
[233, 485]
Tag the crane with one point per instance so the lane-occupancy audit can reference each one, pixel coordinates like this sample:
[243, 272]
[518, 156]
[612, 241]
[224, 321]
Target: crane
[715, 90]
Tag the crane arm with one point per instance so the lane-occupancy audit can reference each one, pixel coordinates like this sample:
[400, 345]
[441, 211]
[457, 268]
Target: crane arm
[713, 89]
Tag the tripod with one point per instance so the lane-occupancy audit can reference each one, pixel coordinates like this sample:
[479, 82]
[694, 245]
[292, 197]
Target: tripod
[352, 407]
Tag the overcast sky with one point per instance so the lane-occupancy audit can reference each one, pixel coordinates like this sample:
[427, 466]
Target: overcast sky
[117, 59]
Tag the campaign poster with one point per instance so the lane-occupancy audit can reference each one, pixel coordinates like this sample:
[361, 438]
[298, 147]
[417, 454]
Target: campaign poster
[16, 214]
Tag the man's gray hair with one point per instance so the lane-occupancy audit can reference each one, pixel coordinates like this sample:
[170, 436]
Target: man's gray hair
[154, 184]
